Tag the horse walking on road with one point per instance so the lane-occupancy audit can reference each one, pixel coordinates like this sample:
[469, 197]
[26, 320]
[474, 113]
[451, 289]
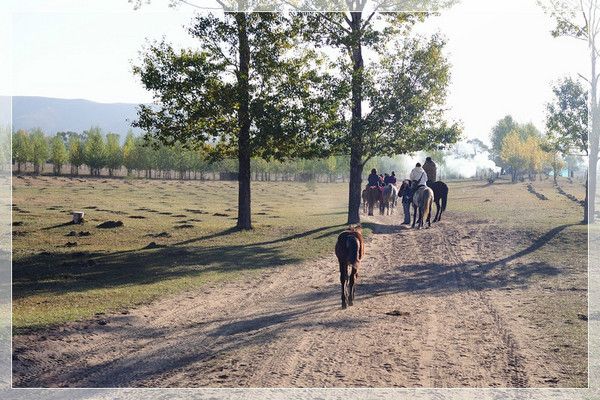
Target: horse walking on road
[350, 250]
[373, 196]
[388, 201]
[422, 200]
[440, 193]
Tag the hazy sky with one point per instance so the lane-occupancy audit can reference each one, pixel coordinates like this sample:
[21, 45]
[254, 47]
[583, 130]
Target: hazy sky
[503, 57]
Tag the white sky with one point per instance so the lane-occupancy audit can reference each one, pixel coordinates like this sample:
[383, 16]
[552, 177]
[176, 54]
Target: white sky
[503, 57]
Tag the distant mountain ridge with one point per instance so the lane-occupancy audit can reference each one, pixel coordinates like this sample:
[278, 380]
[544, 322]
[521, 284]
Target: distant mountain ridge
[55, 115]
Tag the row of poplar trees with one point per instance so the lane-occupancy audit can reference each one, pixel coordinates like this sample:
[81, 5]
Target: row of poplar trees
[281, 85]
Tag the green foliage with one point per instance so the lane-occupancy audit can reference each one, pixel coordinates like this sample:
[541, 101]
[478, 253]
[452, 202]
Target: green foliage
[197, 92]
[114, 153]
[567, 117]
[58, 153]
[76, 152]
[40, 153]
[129, 152]
[22, 148]
[407, 95]
[95, 150]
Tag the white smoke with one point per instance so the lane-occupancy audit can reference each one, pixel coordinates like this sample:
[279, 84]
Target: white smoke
[467, 160]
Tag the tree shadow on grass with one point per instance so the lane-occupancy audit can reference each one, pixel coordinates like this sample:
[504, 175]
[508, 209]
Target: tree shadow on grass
[79, 272]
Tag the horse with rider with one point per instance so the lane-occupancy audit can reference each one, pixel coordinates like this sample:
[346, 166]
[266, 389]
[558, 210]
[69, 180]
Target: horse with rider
[421, 190]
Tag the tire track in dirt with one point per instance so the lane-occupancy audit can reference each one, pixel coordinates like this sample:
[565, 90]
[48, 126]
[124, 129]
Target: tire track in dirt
[284, 328]
[515, 361]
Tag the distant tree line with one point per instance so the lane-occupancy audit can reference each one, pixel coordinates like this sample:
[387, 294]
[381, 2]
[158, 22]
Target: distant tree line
[139, 158]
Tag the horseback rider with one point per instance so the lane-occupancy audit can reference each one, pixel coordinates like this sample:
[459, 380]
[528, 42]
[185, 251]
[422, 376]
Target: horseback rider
[373, 179]
[392, 178]
[386, 179]
[430, 169]
[418, 176]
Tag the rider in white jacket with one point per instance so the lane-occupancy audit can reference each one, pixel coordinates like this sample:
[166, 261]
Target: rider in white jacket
[419, 176]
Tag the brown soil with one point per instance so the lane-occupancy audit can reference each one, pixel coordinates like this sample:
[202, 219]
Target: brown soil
[427, 314]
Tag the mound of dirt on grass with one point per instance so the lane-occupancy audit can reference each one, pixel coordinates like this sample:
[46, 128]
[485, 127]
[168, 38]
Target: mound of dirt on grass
[110, 224]
[398, 313]
[159, 235]
[196, 211]
[184, 226]
[81, 233]
[153, 245]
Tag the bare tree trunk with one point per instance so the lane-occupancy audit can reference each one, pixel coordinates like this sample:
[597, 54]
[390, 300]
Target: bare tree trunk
[356, 131]
[244, 209]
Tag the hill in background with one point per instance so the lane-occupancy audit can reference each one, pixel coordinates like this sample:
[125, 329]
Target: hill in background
[55, 115]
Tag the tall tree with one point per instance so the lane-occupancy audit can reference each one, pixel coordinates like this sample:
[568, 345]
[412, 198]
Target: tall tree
[567, 124]
[58, 153]
[405, 93]
[246, 91]
[581, 20]
[114, 153]
[514, 154]
[22, 148]
[129, 152]
[95, 151]
[76, 147]
[39, 154]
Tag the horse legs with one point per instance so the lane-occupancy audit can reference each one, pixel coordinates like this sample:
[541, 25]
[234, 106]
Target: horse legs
[414, 215]
[371, 206]
[343, 281]
[352, 285]
[429, 216]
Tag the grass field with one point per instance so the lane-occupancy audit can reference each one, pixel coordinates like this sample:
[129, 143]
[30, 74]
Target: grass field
[190, 222]
[59, 278]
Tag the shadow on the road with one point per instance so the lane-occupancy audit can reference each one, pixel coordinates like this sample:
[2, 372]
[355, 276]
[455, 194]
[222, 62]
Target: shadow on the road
[141, 368]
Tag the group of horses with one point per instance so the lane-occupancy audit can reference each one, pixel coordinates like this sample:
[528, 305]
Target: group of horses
[350, 246]
[422, 200]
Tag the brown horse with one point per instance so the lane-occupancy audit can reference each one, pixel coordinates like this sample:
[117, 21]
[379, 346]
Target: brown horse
[373, 196]
[365, 200]
[350, 250]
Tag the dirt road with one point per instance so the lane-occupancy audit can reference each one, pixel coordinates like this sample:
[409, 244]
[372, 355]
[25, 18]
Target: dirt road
[429, 313]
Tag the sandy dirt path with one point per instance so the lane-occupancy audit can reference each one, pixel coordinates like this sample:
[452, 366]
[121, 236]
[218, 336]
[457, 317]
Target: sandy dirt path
[421, 319]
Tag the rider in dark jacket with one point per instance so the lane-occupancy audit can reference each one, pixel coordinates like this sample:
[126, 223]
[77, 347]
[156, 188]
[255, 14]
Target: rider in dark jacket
[392, 178]
[373, 179]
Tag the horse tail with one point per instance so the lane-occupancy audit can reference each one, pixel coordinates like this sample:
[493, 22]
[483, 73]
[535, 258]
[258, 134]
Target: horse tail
[352, 249]
[427, 201]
